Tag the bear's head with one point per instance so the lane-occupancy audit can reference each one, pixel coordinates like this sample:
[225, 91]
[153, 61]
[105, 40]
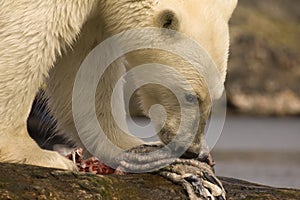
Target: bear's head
[206, 22]
[203, 21]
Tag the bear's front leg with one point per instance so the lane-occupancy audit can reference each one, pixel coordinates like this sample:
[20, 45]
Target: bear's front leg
[21, 73]
[32, 34]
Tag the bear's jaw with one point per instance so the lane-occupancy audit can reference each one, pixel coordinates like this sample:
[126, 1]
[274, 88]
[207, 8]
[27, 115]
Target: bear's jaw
[189, 143]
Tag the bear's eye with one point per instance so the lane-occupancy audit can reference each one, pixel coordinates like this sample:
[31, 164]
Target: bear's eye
[190, 98]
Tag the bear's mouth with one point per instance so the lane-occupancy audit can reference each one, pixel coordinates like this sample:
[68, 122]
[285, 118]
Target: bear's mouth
[190, 155]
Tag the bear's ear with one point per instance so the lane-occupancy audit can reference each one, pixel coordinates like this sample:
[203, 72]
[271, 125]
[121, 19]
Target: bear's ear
[167, 19]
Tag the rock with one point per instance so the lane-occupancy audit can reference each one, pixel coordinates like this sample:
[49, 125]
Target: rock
[31, 182]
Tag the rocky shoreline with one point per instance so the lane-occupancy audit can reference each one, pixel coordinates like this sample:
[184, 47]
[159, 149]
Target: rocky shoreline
[264, 65]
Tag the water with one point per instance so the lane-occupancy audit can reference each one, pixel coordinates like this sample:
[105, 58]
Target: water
[261, 150]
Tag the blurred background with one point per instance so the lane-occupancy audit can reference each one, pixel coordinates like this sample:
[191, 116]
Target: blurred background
[260, 141]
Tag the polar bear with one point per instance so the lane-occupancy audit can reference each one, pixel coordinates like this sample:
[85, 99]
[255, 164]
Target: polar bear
[48, 40]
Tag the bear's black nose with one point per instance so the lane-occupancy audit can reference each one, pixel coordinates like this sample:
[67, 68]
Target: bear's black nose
[203, 157]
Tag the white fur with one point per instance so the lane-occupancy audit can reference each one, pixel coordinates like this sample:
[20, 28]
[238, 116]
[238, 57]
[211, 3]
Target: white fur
[41, 38]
